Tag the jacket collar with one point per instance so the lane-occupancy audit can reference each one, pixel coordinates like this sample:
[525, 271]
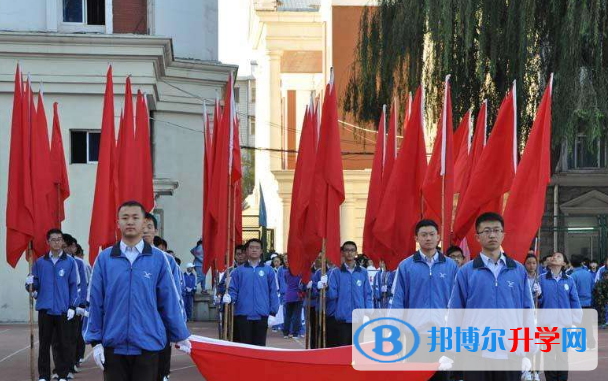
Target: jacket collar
[343, 268]
[147, 250]
[247, 264]
[549, 274]
[478, 262]
[418, 257]
[62, 256]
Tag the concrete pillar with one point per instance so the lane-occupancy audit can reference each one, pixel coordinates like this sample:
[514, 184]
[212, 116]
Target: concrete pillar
[274, 105]
[347, 220]
[286, 216]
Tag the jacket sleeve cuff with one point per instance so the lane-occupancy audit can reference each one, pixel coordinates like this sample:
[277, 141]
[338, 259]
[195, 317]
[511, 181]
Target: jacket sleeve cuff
[95, 343]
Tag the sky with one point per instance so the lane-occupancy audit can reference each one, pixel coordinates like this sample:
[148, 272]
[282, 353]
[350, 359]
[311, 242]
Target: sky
[233, 21]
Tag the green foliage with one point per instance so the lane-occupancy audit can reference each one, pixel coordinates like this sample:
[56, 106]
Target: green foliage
[485, 45]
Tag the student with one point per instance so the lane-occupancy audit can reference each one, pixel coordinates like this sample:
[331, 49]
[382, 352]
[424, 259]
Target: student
[382, 286]
[239, 258]
[55, 280]
[189, 289]
[584, 287]
[600, 272]
[349, 287]
[293, 303]
[314, 304]
[134, 304]
[253, 291]
[332, 338]
[593, 268]
[425, 279]
[559, 292]
[456, 254]
[491, 270]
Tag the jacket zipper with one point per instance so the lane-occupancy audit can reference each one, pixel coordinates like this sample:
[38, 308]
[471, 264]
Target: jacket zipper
[129, 303]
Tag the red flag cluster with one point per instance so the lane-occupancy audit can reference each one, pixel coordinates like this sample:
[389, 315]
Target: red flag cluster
[222, 189]
[37, 177]
[124, 169]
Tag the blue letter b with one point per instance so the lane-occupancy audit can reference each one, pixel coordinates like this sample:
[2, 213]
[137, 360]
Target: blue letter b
[393, 338]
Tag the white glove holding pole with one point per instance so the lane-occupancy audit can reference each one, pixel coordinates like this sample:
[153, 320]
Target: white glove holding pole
[309, 285]
[445, 363]
[29, 280]
[322, 283]
[98, 356]
[71, 314]
[384, 288]
[537, 290]
[80, 311]
[184, 346]
[227, 299]
[526, 365]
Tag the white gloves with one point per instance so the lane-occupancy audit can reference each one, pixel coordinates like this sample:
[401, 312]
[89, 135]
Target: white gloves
[216, 299]
[98, 356]
[188, 289]
[71, 314]
[536, 289]
[184, 346]
[29, 280]
[322, 283]
[384, 288]
[526, 365]
[445, 363]
[80, 311]
[309, 285]
[227, 299]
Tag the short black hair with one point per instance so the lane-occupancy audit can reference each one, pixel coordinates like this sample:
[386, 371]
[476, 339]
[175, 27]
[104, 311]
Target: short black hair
[132, 203]
[531, 256]
[348, 243]
[68, 239]
[545, 258]
[150, 216]
[239, 247]
[178, 261]
[249, 241]
[79, 250]
[424, 223]
[157, 241]
[593, 261]
[453, 249]
[165, 243]
[489, 217]
[576, 261]
[53, 231]
[199, 242]
[170, 252]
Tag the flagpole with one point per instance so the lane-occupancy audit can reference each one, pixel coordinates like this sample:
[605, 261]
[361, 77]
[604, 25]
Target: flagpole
[322, 299]
[229, 236]
[231, 247]
[30, 262]
[308, 328]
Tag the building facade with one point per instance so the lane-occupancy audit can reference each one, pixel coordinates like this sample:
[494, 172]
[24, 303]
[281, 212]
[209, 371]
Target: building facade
[170, 52]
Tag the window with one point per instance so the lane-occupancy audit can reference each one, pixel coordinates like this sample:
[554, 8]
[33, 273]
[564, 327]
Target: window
[84, 146]
[252, 94]
[252, 126]
[87, 12]
[237, 94]
[584, 156]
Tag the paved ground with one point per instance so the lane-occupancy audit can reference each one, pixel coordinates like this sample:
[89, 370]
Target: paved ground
[14, 355]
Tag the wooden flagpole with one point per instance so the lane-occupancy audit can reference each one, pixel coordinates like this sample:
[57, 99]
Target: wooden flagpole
[322, 300]
[228, 237]
[30, 261]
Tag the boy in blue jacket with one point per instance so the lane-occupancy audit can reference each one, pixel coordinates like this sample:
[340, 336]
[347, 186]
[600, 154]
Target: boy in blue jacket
[349, 287]
[585, 282]
[383, 284]
[134, 304]
[55, 280]
[189, 289]
[491, 280]
[559, 292]
[253, 290]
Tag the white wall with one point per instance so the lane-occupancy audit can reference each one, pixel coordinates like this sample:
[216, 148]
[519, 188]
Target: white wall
[23, 15]
[192, 24]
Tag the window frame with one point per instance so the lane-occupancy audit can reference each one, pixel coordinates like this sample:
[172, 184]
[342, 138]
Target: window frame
[79, 27]
[88, 132]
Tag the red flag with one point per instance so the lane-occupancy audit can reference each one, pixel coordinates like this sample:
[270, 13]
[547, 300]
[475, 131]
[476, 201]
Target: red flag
[222, 168]
[438, 187]
[128, 164]
[329, 180]
[237, 175]
[103, 218]
[462, 146]
[19, 200]
[526, 203]
[207, 171]
[42, 177]
[375, 189]
[61, 184]
[400, 208]
[493, 175]
[142, 141]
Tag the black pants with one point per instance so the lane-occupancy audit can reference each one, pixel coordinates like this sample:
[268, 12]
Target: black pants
[50, 326]
[143, 367]
[293, 318]
[558, 357]
[164, 361]
[332, 337]
[71, 352]
[345, 331]
[251, 331]
[312, 328]
[80, 345]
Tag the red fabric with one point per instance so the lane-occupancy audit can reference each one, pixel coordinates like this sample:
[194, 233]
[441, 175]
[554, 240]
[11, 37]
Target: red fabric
[237, 184]
[42, 177]
[142, 141]
[494, 172]
[461, 150]
[208, 170]
[438, 188]
[328, 179]
[216, 362]
[103, 218]
[526, 203]
[129, 163]
[61, 183]
[400, 208]
[218, 197]
[301, 257]
[374, 193]
[19, 200]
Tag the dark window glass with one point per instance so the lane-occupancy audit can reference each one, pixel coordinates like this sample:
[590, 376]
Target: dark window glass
[237, 94]
[96, 12]
[78, 145]
[72, 11]
[94, 138]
